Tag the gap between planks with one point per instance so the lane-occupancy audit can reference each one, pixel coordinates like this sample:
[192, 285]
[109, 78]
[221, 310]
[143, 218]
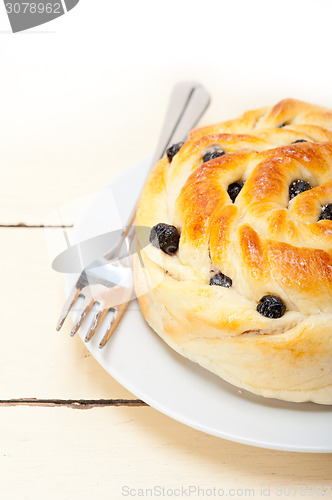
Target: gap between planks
[77, 404]
[21, 225]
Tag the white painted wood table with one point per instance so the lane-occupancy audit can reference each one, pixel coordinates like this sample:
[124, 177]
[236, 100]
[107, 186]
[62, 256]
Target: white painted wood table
[68, 430]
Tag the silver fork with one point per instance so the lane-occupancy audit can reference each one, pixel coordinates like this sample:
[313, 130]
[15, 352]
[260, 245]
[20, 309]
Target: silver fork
[107, 282]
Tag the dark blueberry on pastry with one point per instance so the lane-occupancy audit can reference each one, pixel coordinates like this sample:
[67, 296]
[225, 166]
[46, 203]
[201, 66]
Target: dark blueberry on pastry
[165, 237]
[326, 213]
[234, 189]
[271, 307]
[299, 140]
[211, 155]
[221, 280]
[298, 187]
[173, 150]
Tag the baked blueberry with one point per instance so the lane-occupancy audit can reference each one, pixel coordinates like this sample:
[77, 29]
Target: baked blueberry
[211, 155]
[173, 150]
[165, 237]
[271, 307]
[298, 187]
[221, 280]
[234, 189]
[299, 140]
[326, 213]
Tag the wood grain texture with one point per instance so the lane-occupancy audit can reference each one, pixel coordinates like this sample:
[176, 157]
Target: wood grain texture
[37, 361]
[64, 454]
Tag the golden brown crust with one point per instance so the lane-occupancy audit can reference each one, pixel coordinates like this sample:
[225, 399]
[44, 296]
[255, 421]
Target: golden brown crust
[266, 243]
[288, 114]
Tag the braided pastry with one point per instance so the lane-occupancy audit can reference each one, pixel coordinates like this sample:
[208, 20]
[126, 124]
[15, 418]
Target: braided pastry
[238, 274]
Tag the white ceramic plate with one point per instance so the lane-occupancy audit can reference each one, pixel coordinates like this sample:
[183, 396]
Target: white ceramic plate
[147, 367]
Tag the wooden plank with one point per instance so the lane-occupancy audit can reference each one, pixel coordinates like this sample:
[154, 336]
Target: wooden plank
[36, 361]
[74, 134]
[65, 454]
[75, 140]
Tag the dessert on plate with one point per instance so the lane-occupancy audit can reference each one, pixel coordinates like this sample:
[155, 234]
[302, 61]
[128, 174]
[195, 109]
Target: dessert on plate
[237, 275]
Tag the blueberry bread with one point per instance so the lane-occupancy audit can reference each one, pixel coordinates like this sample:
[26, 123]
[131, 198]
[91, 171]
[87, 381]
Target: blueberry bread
[238, 272]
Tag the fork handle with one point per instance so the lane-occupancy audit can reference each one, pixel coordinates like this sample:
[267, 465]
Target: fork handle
[187, 104]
